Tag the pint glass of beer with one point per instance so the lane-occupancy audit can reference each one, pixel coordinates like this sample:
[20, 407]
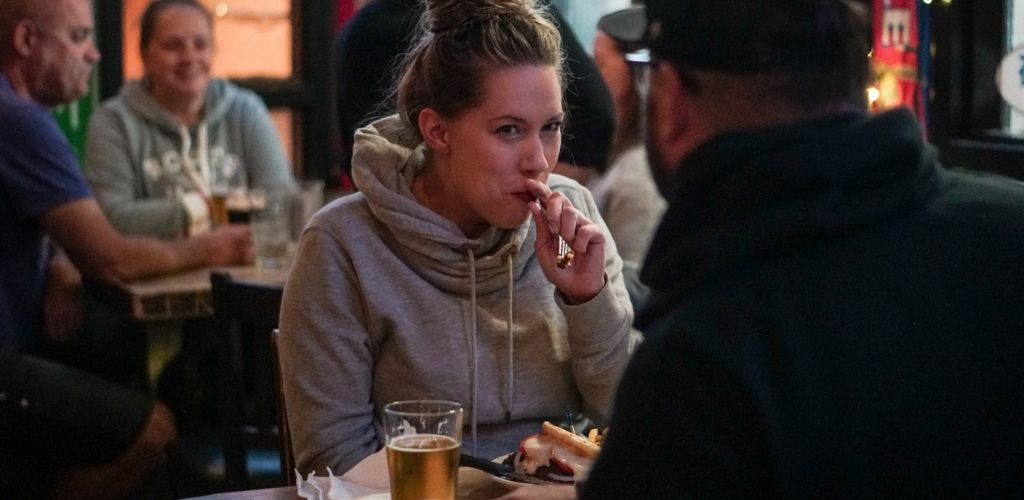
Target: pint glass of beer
[219, 200]
[423, 439]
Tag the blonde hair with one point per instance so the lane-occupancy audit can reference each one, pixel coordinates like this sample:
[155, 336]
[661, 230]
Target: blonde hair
[461, 41]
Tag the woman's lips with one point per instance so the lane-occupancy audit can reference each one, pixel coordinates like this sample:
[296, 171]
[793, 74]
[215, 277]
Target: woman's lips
[525, 196]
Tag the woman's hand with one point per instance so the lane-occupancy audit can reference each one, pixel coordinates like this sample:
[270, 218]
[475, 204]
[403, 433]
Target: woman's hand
[583, 277]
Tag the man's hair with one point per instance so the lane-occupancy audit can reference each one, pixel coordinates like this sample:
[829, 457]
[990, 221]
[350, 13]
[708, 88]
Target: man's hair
[462, 41]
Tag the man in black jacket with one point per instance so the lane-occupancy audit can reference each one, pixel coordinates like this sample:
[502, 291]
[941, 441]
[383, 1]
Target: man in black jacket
[833, 314]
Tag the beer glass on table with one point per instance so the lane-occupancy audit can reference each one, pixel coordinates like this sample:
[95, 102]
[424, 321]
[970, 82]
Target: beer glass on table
[423, 439]
[229, 195]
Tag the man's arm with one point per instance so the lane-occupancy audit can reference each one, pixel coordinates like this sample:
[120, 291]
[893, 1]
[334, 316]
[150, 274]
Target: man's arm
[102, 253]
[63, 308]
[683, 427]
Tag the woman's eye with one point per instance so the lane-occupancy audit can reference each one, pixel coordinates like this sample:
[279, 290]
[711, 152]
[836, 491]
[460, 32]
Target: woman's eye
[173, 45]
[553, 127]
[508, 130]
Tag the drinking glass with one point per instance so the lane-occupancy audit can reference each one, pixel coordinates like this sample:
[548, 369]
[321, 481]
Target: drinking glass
[270, 222]
[309, 199]
[423, 439]
[229, 194]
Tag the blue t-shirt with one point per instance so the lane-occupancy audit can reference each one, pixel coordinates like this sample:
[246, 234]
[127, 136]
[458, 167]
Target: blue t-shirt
[38, 172]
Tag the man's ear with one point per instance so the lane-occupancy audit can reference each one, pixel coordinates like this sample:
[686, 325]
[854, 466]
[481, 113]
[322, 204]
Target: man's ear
[674, 120]
[25, 36]
[434, 130]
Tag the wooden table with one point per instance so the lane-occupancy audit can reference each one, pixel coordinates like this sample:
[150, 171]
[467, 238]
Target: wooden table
[161, 303]
[185, 295]
[473, 485]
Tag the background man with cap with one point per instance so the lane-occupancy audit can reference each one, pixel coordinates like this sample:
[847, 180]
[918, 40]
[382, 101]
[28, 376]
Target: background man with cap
[832, 312]
[625, 193]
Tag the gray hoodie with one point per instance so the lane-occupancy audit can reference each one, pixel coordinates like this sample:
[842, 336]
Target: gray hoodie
[387, 300]
[138, 155]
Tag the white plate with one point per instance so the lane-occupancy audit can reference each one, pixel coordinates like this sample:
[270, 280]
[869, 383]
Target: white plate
[505, 481]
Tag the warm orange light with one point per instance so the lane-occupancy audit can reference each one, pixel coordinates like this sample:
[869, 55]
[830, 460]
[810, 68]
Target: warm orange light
[873, 95]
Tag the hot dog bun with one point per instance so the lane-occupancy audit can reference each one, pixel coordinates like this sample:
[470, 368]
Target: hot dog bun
[579, 445]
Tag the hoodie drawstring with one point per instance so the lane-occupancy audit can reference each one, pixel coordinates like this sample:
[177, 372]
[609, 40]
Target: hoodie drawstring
[509, 373]
[472, 347]
[202, 179]
[204, 154]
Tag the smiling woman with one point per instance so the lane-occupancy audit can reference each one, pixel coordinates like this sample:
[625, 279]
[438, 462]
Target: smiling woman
[177, 53]
[440, 279]
[158, 152]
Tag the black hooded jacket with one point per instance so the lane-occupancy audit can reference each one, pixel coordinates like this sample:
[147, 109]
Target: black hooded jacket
[832, 315]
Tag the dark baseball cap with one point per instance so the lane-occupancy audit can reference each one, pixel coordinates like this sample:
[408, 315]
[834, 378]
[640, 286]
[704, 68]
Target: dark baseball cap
[737, 36]
[626, 26]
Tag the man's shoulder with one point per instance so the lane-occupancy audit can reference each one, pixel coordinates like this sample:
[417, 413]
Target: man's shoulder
[31, 131]
[985, 182]
[14, 109]
[991, 195]
[38, 158]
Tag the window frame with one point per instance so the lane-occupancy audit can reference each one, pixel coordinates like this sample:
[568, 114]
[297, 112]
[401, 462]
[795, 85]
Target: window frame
[966, 109]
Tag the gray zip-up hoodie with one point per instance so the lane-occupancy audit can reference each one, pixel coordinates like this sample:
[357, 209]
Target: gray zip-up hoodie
[387, 301]
[145, 166]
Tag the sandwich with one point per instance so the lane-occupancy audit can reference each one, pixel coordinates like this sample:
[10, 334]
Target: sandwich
[556, 454]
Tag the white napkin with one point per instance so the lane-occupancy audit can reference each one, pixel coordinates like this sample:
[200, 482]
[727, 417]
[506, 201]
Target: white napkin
[333, 488]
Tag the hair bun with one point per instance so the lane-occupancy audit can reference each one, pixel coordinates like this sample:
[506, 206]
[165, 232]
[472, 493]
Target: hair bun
[444, 16]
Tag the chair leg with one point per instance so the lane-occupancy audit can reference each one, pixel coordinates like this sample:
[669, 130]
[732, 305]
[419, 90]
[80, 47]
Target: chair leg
[235, 467]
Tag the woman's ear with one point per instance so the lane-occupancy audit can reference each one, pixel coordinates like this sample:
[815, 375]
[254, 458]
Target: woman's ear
[434, 130]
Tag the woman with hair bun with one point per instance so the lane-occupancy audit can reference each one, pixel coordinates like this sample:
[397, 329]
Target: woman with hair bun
[443, 276]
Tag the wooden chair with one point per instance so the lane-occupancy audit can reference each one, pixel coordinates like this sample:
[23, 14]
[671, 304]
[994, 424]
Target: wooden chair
[245, 314]
[285, 449]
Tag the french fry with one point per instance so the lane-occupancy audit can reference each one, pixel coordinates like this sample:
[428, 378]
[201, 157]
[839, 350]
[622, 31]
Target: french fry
[579, 444]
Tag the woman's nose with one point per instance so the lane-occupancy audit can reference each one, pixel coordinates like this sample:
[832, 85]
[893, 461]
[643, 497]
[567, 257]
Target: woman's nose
[534, 160]
[191, 52]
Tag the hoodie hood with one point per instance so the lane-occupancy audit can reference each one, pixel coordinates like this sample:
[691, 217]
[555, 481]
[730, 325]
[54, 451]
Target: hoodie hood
[219, 96]
[386, 158]
[749, 194]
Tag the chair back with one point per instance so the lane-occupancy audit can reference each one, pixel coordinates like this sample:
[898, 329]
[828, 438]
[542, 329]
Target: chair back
[287, 455]
[245, 314]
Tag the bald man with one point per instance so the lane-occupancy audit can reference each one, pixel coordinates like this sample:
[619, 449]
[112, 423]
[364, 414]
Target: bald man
[64, 433]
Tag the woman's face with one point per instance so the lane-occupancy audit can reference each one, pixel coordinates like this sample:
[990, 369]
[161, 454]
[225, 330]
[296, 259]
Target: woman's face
[498, 147]
[177, 58]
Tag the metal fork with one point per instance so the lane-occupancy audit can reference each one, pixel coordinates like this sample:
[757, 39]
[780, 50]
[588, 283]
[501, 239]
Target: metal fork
[565, 254]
